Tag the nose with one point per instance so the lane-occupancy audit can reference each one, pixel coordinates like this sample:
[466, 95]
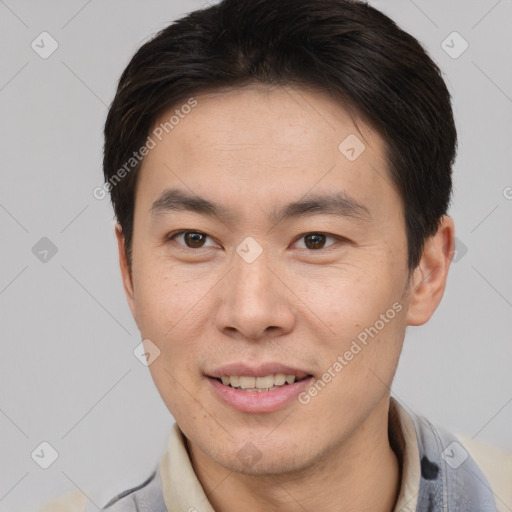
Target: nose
[255, 301]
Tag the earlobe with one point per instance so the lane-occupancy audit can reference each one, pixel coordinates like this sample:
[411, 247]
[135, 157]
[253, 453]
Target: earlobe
[126, 274]
[428, 281]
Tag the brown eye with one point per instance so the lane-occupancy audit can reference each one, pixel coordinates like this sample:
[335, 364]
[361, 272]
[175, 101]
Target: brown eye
[194, 239]
[315, 240]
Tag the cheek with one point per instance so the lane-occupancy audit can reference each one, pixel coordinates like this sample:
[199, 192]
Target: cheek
[165, 295]
[175, 311]
[349, 299]
[360, 312]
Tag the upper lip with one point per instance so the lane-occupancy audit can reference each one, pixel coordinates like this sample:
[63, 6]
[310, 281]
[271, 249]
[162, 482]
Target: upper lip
[260, 370]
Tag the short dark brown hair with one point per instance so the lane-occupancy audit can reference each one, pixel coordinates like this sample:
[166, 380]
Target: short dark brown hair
[345, 48]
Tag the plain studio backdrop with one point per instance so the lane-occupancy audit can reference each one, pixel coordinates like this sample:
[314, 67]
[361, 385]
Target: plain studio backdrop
[69, 376]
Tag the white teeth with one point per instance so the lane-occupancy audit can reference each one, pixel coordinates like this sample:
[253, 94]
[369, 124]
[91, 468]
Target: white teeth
[279, 379]
[247, 382]
[258, 390]
[257, 383]
[265, 382]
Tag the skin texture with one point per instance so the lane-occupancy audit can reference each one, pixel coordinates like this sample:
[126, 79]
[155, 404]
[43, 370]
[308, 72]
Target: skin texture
[252, 150]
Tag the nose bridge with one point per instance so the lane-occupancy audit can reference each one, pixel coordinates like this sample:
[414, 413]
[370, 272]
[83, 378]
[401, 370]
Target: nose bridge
[254, 300]
[252, 282]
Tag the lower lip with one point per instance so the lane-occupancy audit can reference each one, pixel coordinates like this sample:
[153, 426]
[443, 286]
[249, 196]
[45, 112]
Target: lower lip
[259, 401]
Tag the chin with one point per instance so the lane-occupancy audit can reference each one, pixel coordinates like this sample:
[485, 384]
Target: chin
[264, 454]
[267, 463]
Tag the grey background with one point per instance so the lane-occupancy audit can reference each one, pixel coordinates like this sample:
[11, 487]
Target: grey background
[68, 373]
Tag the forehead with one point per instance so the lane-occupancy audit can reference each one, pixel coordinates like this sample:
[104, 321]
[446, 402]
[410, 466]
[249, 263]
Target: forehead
[264, 144]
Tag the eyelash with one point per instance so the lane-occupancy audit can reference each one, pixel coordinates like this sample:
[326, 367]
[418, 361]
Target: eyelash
[172, 237]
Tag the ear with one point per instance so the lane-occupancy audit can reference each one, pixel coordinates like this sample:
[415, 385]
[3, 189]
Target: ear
[428, 281]
[125, 269]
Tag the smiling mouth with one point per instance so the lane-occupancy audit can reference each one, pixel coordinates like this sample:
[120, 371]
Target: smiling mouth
[259, 384]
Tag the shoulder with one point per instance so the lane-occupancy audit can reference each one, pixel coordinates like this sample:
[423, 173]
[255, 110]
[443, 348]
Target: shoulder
[496, 464]
[147, 496]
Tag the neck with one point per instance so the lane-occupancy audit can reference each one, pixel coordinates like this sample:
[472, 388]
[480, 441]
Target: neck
[361, 474]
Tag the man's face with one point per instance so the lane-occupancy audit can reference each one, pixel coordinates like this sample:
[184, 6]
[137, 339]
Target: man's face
[259, 288]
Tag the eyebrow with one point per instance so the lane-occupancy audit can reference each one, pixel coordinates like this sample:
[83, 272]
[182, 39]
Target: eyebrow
[339, 203]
